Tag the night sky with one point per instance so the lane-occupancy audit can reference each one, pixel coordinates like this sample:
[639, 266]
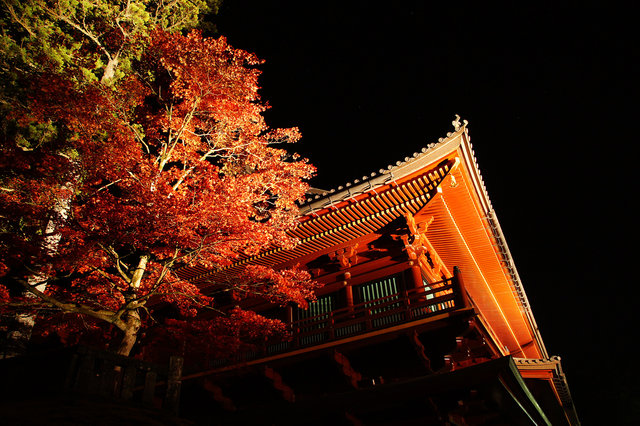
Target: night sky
[549, 92]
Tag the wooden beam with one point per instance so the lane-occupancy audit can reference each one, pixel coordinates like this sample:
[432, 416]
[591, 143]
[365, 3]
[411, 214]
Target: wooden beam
[420, 350]
[433, 320]
[174, 383]
[536, 374]
[346, 257]
[420, 249]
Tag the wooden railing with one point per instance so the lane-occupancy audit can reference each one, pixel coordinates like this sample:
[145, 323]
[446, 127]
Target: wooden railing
[110, 375]
[406, 306]
[376, 314]
[84, 371]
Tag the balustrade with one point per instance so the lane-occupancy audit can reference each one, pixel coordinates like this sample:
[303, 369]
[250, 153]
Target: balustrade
[376, 314]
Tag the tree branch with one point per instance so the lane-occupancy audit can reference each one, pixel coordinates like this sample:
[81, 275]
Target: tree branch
[118, 263]
[14, 16]
[101, 314]
[136, 277]
[173, 140]
[77, 27]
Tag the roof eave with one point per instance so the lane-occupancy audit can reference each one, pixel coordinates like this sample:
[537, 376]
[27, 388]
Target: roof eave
[403, 169]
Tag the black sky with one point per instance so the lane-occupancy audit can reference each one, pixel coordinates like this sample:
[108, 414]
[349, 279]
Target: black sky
[549, 91]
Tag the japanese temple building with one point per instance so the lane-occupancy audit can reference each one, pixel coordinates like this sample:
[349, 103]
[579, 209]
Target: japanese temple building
[422, 317]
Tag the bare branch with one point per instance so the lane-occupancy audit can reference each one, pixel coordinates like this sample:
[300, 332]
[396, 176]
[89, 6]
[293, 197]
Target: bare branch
[102, 188]
[173, 140]
[14, 16]
[118, 262]
[76, 308]
[80, 28]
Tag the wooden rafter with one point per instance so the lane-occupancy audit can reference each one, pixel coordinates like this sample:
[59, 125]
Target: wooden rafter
[343, 223]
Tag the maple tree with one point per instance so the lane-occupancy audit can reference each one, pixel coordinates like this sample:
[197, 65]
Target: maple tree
[84, 40]
[170, 164]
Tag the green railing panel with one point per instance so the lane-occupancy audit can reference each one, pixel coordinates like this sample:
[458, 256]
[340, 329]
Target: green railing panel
[318, 314]
[381, 292]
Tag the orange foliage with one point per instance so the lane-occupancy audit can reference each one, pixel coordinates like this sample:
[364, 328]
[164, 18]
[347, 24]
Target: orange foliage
[173, 165]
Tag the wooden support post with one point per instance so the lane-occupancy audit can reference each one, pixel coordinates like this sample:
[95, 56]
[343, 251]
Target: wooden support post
[462, 299]
[293, 328]
[85, 381]
[149, 391]
[128, 382]
[332, 329]
[70, 379]
[289, 315]
[174, 376]
[296, 334]
[369, 323]
[416, 281]
[348, 291]
[416, 275]
[407, 305]
[108, 377]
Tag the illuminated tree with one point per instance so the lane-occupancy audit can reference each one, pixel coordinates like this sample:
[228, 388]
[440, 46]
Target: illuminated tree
[170, 164]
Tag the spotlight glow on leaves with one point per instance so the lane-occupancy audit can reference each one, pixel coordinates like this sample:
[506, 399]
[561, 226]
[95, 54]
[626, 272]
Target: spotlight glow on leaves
[168, 166]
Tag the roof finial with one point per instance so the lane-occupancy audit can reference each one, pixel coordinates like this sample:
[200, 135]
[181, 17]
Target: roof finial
[456, 123]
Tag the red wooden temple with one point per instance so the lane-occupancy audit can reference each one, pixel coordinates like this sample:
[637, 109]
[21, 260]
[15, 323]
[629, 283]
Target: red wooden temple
[422, 317]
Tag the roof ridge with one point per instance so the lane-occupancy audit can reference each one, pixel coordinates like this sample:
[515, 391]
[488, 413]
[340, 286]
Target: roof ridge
[381, 177]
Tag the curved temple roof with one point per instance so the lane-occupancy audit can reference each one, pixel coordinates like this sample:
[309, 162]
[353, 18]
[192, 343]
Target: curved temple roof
[442, 181]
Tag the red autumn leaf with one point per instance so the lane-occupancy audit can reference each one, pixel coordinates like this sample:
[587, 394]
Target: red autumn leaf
[173, 165]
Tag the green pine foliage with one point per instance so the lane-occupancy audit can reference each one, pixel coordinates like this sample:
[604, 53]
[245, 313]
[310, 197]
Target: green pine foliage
[87, 40]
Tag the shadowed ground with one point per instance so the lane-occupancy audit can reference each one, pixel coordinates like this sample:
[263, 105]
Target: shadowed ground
[75, 410]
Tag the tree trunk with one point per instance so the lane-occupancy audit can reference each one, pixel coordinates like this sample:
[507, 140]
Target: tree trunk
[133, 322]
[22, 325]
[110, 70]
[132, 317]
